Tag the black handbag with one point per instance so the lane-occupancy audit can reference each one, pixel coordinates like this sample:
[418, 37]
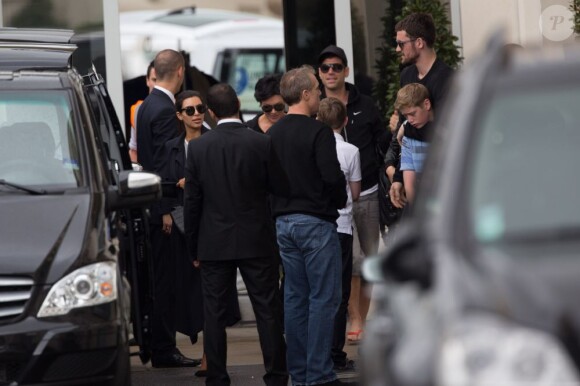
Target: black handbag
[388, 213]
[177, 215]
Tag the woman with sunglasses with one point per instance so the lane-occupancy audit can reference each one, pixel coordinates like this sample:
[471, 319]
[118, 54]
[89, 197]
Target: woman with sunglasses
[267, 93]
[190, 111]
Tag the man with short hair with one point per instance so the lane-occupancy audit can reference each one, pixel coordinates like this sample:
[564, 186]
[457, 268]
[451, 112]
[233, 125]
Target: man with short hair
[415, 44]
[306, 229]
[157, 124]
[366, 131]
[229, 173]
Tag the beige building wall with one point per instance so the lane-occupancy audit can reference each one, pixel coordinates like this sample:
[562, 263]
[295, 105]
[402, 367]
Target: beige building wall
[520, 18]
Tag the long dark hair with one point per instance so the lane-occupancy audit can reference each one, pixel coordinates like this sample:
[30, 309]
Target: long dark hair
[179, 98]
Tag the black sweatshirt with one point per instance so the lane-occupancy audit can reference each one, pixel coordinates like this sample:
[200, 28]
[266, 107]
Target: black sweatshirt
[307, 151]
[365, 130]
[437, 83]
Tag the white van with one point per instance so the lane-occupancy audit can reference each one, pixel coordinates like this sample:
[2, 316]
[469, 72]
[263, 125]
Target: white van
[234, 47]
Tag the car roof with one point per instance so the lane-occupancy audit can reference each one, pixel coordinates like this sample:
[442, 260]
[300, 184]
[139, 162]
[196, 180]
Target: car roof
[37, 35]
[35, 48]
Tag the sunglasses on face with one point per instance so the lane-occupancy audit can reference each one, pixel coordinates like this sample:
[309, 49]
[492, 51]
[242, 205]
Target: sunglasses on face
[278, 107]
[190, 110]
[402, 44]
[336, 67]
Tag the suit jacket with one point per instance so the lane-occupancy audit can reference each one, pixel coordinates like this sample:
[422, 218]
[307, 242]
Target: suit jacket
[157, 124]
[229, 173]
[174, 165]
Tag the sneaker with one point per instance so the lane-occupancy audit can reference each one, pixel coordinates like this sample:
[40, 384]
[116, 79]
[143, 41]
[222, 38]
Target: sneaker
[349, 366]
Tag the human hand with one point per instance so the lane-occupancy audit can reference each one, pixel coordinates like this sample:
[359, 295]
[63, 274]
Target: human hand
[196, 264]
[400, 134]
[397, 194]
[181, 183]
[167, 223]
[393, 122]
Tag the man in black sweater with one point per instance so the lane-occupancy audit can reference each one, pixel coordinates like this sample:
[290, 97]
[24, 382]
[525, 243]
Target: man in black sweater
[306, 229]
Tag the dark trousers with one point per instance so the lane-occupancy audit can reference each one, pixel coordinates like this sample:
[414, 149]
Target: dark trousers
[163, 316]
[338, 340]
[261, 278]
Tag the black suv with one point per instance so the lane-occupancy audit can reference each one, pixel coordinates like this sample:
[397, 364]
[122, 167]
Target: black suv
[482, 278]
[73, 251]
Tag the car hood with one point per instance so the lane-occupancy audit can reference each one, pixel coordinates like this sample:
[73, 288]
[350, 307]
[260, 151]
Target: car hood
[41, 235]
[535, 285]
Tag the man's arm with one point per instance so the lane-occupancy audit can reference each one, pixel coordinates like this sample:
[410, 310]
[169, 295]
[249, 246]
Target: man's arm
[278, 183]
[327, 162]
[355, 177]
[354, 189]
[163, 128]
[409, 178]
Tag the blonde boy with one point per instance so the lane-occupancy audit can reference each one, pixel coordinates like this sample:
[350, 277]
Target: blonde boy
[414, 104]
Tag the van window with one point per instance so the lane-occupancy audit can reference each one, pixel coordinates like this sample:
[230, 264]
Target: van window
[524, 179]
[37, 142]
[242, 68]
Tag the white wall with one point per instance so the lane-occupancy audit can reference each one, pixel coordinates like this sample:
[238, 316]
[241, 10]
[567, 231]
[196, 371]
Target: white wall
[475, 20]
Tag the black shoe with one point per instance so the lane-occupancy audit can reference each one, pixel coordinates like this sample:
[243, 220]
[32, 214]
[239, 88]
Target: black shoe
[201, 373]
[174, 360]
[349, 366]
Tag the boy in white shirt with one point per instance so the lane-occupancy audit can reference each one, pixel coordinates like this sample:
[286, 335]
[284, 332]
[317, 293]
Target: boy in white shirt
[332, 112]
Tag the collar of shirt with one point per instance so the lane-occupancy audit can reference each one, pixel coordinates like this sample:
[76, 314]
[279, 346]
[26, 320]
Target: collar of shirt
[229, 120]
[167, 92]
[338, 137]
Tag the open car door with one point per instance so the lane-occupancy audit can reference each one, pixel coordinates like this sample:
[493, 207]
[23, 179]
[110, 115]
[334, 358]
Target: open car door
[130, 225]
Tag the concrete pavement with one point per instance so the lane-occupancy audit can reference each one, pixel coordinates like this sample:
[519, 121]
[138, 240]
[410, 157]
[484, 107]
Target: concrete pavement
[245, 364]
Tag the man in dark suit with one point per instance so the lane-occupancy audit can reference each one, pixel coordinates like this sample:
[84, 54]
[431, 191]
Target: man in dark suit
[157, 124]
[228, 175]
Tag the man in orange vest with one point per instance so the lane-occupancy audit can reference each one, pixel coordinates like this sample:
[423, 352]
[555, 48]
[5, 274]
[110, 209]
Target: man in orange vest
[151, 79]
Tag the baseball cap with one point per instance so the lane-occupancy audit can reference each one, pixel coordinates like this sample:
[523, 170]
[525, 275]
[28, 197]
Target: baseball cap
[332, 50]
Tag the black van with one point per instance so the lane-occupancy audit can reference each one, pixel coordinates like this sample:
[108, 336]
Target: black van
[73, 252]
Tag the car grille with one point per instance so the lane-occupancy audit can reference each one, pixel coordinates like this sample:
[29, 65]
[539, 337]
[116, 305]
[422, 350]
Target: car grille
[14, 293]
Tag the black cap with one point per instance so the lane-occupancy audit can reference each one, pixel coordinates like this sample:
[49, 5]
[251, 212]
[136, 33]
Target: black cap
[332, 50]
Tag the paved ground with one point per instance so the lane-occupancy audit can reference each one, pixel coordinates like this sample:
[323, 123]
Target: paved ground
[244, 362]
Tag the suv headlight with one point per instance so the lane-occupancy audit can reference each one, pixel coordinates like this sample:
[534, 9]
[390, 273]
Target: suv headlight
[484, 350]
[87, 286]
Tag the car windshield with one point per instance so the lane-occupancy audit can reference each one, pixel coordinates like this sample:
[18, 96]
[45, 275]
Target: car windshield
[38, 145]
[524, 180]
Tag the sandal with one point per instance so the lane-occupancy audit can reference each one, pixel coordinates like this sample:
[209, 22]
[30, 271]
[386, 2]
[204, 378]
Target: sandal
[354, 336]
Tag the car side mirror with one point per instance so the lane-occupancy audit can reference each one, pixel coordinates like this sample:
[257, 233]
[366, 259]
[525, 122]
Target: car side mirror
[406, 259]
[134, 189]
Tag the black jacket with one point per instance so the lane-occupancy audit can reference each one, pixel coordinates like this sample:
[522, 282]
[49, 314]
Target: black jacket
[157, 124]
[254, 124]
[229, 173]
[365, 129]
[174, 169]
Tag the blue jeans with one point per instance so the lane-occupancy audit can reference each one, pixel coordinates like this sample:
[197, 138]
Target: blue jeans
[311, 256]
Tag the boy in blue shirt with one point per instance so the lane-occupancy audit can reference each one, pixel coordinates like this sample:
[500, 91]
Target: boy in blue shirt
[414, 104]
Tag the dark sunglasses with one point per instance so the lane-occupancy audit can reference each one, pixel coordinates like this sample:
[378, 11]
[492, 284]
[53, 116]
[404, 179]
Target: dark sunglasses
[336, 67]
[190, 110]
[278, 107]
[402, 44]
